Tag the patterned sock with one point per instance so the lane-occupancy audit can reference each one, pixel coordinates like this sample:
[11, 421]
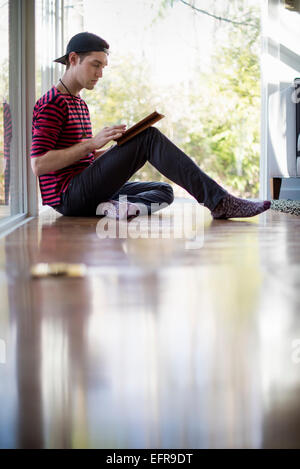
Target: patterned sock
[233, 207]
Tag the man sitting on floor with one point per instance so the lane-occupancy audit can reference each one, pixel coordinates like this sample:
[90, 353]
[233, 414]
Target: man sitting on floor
[76, 176]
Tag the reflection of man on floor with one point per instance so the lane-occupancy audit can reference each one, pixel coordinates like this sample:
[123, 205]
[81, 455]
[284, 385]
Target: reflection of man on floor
[76, 176]
[7, 124]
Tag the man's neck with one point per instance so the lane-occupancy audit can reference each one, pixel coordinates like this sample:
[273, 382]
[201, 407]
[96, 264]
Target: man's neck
[67, 84]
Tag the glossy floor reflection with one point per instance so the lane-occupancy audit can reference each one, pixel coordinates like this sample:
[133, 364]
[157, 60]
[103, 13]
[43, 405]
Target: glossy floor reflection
[161, 345]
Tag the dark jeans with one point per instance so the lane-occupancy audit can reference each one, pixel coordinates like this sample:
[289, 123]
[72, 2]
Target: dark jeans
[106, 178]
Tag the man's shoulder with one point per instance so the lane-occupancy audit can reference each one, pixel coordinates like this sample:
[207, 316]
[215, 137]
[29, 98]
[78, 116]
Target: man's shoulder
[51, 97]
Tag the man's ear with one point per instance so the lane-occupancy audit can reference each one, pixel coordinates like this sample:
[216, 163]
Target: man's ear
[73, 58]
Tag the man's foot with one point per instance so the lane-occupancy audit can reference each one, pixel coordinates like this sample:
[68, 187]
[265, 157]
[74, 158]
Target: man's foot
[234, 207]
[118, 210]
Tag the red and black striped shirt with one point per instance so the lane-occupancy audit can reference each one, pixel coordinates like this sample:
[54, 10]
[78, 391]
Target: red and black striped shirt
[56, 125]
[7, 129]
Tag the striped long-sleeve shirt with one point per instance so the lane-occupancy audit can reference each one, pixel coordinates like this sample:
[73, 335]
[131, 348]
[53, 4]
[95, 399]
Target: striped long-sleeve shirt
[56, 125]
[7, 123]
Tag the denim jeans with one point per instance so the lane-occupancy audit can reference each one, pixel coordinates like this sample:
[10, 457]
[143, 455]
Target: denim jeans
[107, 177]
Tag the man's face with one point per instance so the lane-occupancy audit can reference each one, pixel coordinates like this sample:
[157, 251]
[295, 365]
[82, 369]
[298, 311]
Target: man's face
[90, 69]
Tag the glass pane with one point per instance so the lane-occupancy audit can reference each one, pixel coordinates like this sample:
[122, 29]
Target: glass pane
[5, 116]
[74, 21]
[56, 22]
[12, 195]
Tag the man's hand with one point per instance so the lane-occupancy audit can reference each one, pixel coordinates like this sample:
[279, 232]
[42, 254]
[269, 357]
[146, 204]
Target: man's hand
[107, 134]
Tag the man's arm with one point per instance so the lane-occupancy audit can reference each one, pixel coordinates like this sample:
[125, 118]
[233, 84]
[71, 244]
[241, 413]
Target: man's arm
[54, 160]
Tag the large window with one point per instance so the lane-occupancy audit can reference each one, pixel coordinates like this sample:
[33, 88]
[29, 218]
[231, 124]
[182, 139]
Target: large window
[7, 163]
[17, 186]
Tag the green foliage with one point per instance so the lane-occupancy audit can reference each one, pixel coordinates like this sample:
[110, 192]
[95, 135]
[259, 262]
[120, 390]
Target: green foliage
[217, 122]
[227, 144]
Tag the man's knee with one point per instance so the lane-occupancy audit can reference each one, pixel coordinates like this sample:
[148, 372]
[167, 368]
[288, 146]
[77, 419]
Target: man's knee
[153, 131]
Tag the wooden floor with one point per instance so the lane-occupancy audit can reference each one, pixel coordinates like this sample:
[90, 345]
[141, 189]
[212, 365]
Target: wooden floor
[165, 343]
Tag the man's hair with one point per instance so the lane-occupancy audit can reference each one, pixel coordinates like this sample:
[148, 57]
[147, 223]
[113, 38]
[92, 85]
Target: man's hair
[81, 55]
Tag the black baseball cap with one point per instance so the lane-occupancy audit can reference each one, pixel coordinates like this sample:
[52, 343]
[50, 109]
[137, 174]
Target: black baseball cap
[84, 42]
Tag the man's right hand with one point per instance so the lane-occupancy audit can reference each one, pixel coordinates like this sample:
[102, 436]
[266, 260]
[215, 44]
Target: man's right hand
[107, 134]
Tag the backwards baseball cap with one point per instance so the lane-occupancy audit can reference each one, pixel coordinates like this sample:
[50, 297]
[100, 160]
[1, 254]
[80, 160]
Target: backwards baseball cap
[84, 42]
